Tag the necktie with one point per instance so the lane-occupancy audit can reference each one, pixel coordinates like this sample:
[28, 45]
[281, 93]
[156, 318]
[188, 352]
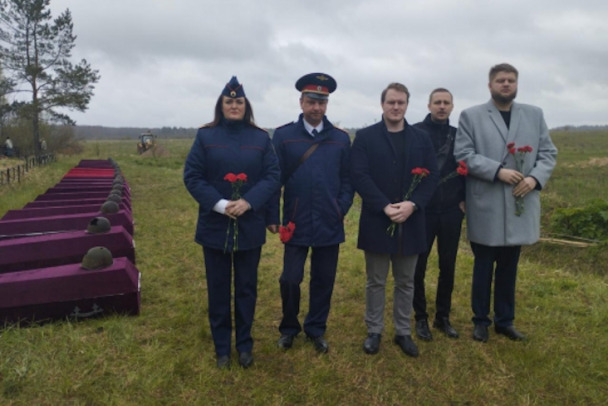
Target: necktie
[315, 132]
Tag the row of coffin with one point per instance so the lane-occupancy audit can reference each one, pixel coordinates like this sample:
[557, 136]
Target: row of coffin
[52, 263]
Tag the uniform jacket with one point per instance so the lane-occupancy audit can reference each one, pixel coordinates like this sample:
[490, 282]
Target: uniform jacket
[317, 194]
[231, 148]
[449, 193]
[481, 141]
[373, 159]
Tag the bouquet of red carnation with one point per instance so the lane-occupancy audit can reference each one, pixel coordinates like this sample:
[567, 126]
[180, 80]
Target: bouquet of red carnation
[462, 170]
[237, 182]
[419, 174]
[286, 232]
[519, 156]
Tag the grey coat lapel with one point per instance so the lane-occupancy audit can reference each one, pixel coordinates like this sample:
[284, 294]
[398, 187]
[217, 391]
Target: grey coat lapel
[515, 120]
[498, 121]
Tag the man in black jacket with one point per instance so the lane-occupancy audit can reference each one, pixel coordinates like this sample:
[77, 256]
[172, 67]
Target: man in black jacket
[387, 159]
[444, 216]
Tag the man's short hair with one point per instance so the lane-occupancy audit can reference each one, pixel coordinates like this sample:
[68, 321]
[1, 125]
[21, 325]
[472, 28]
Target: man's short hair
[503, 67]
[440, 90]
[395, 86]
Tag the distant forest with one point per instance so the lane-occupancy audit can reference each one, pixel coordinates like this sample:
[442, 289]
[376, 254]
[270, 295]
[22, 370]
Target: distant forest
[128, 133]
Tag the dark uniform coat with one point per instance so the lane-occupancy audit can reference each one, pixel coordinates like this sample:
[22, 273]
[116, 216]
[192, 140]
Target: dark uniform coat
[317, 193]
[231, 148]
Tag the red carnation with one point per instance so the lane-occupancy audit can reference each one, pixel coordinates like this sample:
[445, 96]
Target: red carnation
[286, 232]
[419, 174]
[462, 168]
[230, 177]
[237, 182]
[420, 171]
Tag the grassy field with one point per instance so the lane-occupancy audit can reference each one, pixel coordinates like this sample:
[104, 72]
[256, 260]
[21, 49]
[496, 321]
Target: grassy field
[165, 355]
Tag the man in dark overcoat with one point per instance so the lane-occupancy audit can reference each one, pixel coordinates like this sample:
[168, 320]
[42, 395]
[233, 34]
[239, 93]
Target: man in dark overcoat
[386, 161]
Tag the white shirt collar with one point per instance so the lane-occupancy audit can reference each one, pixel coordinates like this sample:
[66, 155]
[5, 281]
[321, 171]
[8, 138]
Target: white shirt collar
[309, 127]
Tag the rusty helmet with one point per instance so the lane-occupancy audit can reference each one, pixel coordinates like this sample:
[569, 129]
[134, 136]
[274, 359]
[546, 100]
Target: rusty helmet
[99, 225]
[109, 207]
[97, 258]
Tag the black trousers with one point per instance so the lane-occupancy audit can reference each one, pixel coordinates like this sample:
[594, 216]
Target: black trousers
[218, 271]
[446, 228]
[504, 275]
[323, 264]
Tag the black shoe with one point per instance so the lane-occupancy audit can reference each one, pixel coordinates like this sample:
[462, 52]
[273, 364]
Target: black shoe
[422, 330]
[320, 344]
[245, 359]
[444, 325]
[510, 332]
[223, 362]
[372, 343]
[286, 341]
[407, 345]
[480, 333]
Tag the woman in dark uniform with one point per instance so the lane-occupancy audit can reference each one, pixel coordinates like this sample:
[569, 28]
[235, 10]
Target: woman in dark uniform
[232, 171]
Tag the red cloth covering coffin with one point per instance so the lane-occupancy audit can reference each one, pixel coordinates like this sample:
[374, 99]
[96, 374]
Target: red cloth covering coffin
[62, 222]
[94, 163]
[90, 181]
[71, 202]
[69, 291]
[80, 172]
[78, 196]
[18, 254]
[79, 188]
[27, 212]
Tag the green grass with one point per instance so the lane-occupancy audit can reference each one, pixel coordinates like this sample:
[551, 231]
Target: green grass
[165, 355]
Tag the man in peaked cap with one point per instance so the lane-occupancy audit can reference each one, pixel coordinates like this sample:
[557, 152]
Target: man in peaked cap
[316, 85]
[314, 160]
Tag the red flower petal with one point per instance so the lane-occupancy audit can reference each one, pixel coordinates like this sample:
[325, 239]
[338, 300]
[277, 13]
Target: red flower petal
[230, 177]
[286, 232]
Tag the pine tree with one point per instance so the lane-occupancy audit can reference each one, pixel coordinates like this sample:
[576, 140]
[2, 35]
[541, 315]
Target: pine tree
[5, 87]
[35, 52]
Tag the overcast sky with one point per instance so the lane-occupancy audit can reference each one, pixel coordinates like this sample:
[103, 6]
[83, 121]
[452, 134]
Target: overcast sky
[164, 62]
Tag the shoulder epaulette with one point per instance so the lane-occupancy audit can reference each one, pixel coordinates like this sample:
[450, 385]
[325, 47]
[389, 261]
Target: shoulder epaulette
[260, 128]
[285, 125]
[343, 130]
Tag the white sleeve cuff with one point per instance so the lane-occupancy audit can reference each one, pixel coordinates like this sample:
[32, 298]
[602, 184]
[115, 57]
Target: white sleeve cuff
[220, 206]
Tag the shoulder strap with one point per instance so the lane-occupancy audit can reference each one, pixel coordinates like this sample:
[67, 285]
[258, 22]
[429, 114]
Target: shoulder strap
[303, 158]
[307, 154]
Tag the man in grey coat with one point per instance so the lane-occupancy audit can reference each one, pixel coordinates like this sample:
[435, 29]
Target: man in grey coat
[510, 157]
